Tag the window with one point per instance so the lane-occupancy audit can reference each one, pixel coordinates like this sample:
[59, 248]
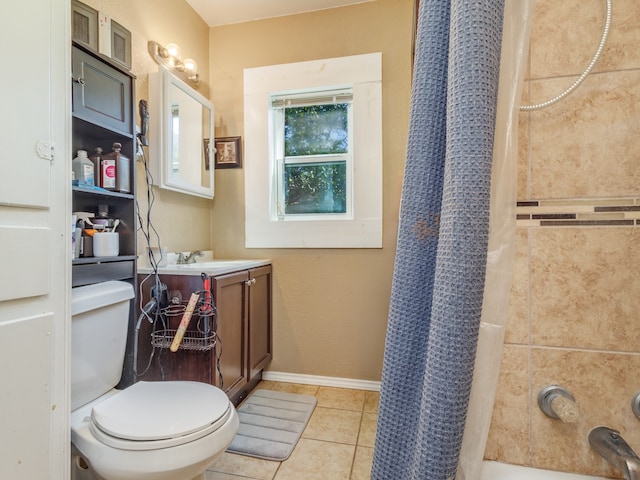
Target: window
[313, 154]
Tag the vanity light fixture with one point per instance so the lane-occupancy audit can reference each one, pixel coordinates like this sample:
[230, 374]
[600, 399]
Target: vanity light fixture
[169, 57]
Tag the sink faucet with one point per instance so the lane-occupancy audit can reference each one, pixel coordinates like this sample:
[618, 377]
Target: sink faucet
[615, 450]
[190, 258]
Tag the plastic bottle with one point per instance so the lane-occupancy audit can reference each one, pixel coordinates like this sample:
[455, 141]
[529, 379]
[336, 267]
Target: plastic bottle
[96, 158]
[74, 220]
[83, 169]
[77, 245]
[123, 168]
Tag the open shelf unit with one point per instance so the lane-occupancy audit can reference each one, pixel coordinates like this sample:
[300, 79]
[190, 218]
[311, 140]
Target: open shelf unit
[102, 114]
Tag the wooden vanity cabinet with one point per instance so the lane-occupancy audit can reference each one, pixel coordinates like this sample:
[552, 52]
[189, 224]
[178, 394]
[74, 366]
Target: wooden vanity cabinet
[244, 345]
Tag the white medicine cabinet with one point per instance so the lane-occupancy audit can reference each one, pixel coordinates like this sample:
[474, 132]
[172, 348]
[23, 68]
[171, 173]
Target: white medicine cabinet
[181, 143]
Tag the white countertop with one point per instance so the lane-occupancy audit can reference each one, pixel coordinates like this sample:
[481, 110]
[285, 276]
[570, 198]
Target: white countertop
[211, 267]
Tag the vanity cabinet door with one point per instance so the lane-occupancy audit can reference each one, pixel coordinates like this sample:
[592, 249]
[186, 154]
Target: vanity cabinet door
[243, 300]
[259, 320]
[231, 349]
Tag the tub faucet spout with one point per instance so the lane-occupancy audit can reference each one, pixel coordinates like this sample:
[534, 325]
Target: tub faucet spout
[615, 450]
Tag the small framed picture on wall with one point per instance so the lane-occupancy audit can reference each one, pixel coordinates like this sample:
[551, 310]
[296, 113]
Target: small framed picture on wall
[228, 152]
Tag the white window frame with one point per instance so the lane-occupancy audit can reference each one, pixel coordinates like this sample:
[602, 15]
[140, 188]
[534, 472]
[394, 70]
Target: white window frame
[362, 228]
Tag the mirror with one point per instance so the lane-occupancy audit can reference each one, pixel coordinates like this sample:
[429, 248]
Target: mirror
[181, 144]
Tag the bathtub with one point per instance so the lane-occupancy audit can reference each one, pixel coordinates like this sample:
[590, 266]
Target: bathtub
[503, 471]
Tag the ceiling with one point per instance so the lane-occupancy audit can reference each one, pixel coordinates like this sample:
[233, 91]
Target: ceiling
[224, 12]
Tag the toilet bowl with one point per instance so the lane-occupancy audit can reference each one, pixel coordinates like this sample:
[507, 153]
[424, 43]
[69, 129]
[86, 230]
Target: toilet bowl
[148, 431]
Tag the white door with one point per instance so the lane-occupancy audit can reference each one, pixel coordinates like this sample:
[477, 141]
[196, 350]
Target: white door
[35, 240]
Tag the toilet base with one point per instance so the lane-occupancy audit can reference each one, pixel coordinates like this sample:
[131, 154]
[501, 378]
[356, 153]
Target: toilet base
[81, 471]
[79, 468]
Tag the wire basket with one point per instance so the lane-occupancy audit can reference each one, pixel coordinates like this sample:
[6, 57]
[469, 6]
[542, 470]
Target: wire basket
[201, 337]
[192, 340]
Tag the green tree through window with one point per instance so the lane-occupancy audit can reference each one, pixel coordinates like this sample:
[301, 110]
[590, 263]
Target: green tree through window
[316, 130]
[316, 142]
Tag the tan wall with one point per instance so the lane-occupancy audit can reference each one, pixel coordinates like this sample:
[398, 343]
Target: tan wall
[182, 221]
[330, 305]
[575, 306]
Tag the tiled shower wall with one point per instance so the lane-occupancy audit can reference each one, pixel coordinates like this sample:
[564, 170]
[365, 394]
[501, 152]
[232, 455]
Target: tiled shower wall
[574, 316]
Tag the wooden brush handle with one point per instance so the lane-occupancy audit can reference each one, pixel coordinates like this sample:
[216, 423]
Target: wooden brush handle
[184, 323]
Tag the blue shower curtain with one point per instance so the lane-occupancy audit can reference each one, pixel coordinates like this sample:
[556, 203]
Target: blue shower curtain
[438, 281]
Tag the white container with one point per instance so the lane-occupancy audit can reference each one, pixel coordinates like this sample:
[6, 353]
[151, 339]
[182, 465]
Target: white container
[83, 169]
[106, 244]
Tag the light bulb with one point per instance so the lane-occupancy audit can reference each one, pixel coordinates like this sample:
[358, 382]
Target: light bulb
[191, 66]
[173, 50]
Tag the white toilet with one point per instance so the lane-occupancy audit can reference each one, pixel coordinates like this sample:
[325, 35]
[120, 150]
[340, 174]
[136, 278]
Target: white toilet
[148, 431]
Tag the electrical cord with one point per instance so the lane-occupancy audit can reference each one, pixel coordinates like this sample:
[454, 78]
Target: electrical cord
[218, 357]
[149, 307]
[152, 310]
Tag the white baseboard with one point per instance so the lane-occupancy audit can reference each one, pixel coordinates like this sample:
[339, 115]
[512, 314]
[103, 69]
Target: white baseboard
[322, 381]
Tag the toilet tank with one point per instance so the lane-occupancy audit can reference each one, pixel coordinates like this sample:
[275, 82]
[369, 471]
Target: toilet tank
[99, 320]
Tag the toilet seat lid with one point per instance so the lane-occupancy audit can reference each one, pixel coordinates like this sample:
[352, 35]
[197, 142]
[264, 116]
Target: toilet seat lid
[160, 410]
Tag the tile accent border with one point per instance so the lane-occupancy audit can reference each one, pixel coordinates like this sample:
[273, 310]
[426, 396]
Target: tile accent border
[579, 212]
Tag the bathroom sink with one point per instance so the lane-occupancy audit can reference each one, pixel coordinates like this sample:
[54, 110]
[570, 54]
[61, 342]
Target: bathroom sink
[211, 264]
[211, 267]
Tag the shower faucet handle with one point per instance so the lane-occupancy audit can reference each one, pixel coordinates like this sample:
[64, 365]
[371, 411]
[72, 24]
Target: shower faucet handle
[556, 402]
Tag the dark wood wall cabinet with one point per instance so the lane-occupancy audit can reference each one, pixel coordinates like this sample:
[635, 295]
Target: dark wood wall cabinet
[103, 113]
[243, 345]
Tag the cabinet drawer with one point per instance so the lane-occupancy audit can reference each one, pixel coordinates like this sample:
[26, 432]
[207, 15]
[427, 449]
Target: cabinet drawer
[85, 274]
[101, 94]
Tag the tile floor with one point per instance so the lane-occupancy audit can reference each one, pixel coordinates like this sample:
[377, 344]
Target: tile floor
[336, 445]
